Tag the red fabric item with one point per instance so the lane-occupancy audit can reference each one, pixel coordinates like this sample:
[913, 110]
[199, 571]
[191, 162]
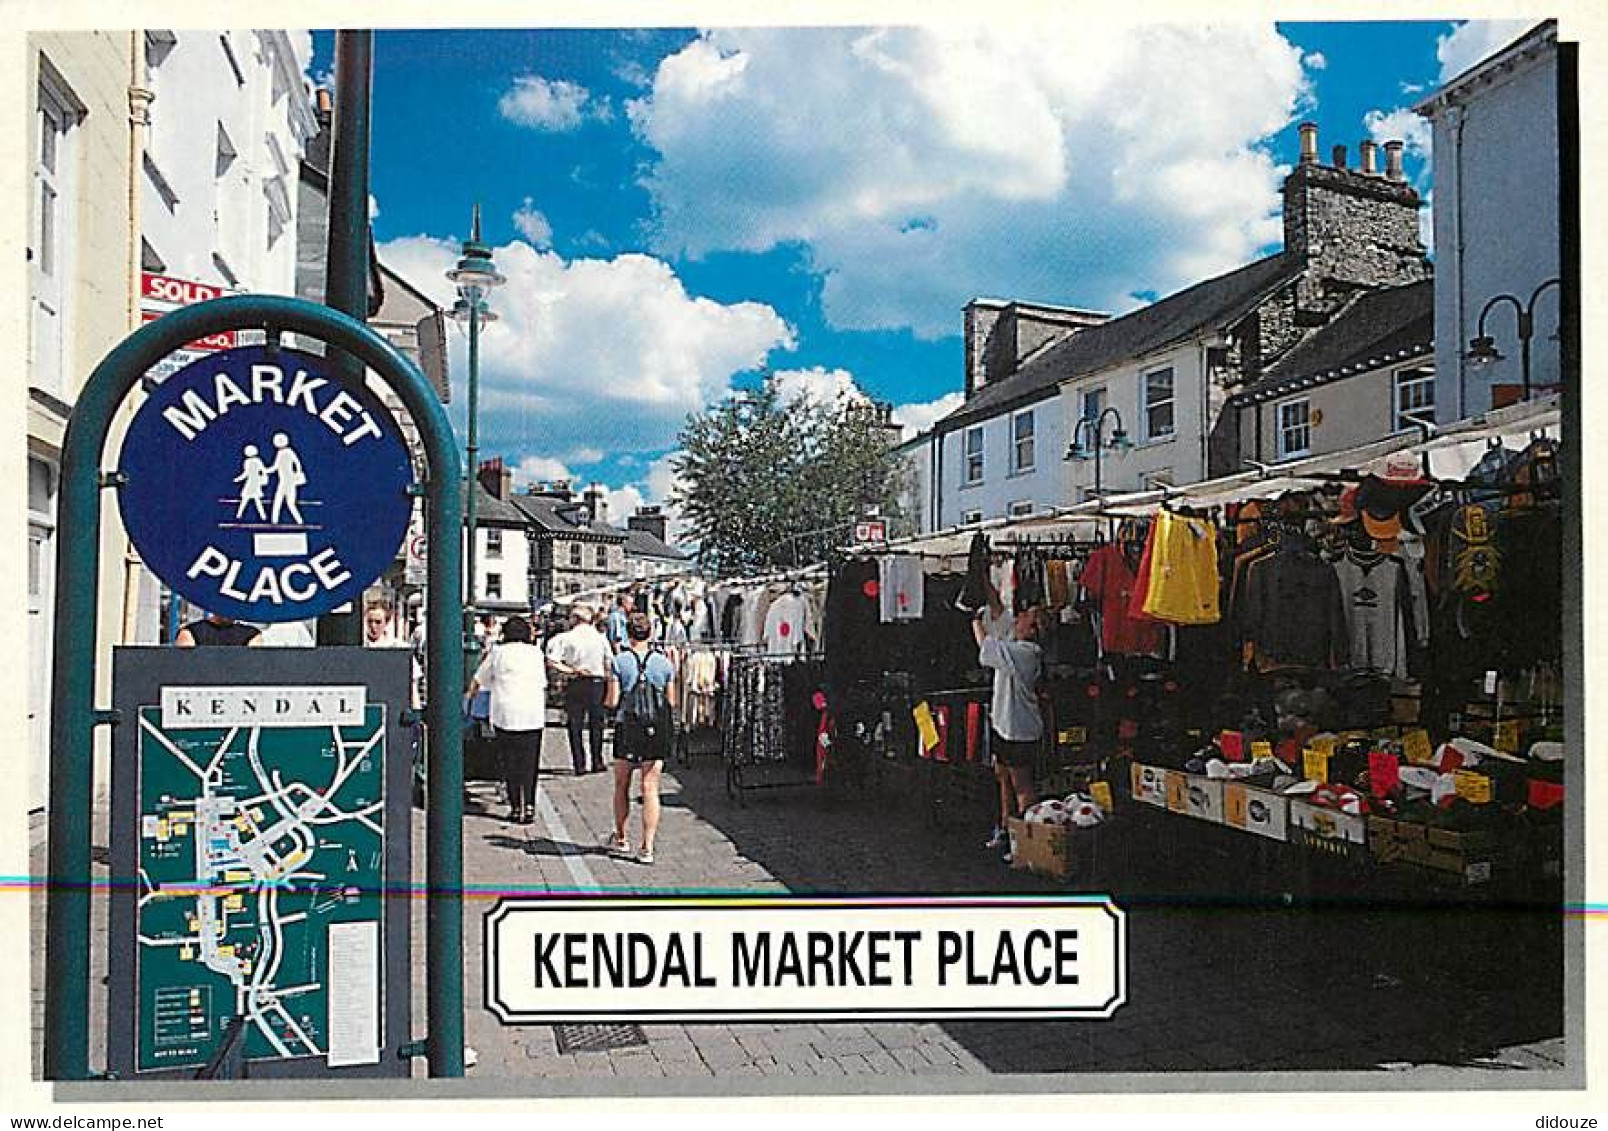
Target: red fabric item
[941, 717]
[872, 588]
[1110, 584]
[1384, 772]
[1232, 744]
[1545, 794]
[974, 730]
[1141, 579]
[823, 745]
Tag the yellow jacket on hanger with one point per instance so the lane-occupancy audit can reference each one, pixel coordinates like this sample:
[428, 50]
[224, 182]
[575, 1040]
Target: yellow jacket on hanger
[1183, 582]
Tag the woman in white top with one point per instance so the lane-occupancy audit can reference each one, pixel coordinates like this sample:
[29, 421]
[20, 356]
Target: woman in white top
[515, 673]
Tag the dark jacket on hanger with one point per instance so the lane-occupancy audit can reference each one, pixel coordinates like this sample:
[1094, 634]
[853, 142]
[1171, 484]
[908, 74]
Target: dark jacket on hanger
[1293, 611]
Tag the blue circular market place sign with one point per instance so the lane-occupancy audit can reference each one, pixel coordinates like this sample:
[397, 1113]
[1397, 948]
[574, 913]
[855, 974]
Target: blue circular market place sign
[262, 488]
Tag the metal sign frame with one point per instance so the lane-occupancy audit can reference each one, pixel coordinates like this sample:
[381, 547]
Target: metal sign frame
[139, 675]
[74, 715]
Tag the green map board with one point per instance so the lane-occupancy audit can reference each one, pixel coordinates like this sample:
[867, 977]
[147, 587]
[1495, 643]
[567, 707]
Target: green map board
[261, 873]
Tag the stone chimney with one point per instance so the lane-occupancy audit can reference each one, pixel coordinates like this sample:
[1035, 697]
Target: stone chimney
[1309, 143]
[1352, 228]
[1366, 152]
[1393, 169]
[497, 479]
[651, 520]
[597, 506]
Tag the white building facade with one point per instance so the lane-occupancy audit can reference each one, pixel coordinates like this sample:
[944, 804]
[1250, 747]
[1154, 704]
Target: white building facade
[1497, 221]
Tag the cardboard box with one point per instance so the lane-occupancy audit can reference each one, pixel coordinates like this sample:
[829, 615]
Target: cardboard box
[1149, 785]
[1203, 798]
[1061, 851]
[1258, 811]
[1328, 824]
[1467, 856]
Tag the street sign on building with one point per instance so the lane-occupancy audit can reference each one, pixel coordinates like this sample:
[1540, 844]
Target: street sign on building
[260, 815]
[871, 530]
[161, 294]
[259, 488]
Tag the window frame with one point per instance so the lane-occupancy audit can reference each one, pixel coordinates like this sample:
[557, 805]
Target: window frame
[1147, 406]
[493, 588]
[577, 556]
[971, 517]
[1282, 429]
[1021, 508]
[1100, 391]
[600, 559]
[971, 459]
[494, 542]
[1422, 376]
[1018, 465]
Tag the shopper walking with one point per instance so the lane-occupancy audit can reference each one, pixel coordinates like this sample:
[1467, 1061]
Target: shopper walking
[1009, 646]
[515, 675]
[642, 694]
[582, 656]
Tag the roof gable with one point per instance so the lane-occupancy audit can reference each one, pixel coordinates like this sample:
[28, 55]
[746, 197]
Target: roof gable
[1211, 305]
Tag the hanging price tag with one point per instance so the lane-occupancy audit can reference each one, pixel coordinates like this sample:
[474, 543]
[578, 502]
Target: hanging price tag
[1315, 764]
[1073, 736]
[1473, 788]
[1415, 744]
[1101, 792]
[1261, 750]
[1507, 736]
[1323, 743]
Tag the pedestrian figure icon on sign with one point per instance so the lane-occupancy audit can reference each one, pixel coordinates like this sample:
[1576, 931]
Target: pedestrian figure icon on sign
[253, 478]
[287, 466]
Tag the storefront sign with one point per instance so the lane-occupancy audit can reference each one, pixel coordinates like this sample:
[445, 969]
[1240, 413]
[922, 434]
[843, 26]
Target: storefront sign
[261, 488]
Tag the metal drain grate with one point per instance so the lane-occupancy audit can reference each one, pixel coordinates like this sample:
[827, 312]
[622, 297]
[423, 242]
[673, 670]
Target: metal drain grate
[598, 1038]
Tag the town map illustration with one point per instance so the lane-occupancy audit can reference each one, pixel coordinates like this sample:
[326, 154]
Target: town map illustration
[260, 884]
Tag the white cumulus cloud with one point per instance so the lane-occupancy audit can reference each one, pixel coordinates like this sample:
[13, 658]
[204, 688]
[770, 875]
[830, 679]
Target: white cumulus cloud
[555, 105]
[919, 167]
[922, 416]
[1468, 43]
[540, 469]
[817, 386]
[592, 355]
[533, 225]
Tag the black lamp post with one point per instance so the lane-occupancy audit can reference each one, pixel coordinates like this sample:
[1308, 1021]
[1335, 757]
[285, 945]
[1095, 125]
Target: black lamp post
[1094, 428]
[1482, 347]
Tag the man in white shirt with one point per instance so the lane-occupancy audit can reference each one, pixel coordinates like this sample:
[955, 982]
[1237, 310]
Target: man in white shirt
[582, 656]
[1009, 646]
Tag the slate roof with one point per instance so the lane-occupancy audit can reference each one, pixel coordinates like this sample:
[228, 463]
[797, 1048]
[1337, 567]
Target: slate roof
[645, 544]
[543, 511]
[490, 509]
[1213, 305]
[1375, 328]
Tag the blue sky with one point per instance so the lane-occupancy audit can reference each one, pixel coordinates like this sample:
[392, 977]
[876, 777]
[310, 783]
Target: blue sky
[680, 210]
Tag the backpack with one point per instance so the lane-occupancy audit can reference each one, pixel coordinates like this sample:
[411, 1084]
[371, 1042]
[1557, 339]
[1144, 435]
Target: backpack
[645, 708]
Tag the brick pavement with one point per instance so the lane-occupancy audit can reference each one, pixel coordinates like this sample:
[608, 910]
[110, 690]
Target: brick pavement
[1214, 985]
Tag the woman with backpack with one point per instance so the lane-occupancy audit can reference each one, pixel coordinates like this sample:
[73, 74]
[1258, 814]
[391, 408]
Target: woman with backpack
[515, 675]
[642, 694]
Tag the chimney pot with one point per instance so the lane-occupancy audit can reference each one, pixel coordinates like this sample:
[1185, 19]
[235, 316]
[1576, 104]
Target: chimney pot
[1366, 152]
[1393, 169]
[1339, 157]
[326, 102]
[1309, 143]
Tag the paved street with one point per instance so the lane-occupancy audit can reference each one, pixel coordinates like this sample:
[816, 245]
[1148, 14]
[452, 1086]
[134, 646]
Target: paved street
[1215, 982]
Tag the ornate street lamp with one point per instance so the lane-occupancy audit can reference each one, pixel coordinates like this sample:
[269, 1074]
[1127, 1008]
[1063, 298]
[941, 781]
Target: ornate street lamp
[1088, 441]
[476, 277]
[1482, 349]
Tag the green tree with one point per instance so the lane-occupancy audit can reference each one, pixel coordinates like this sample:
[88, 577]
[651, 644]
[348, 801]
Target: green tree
[767, 483]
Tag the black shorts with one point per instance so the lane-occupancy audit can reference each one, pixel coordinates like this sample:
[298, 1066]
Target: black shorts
[632, 744]
[1017, 755]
